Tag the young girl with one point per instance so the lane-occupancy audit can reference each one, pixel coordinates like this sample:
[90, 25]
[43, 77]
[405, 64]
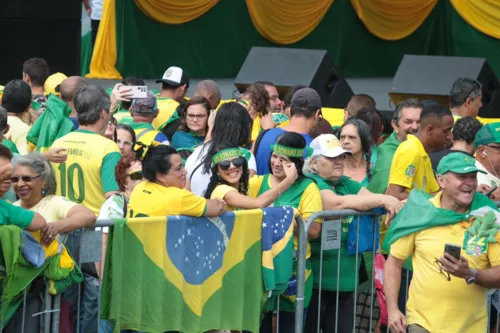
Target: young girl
[230, 180]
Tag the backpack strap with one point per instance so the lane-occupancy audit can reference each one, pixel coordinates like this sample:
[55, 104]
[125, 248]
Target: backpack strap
[140, 135]
[258, 140]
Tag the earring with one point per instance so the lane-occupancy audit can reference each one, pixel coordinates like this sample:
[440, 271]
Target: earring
[44, 192]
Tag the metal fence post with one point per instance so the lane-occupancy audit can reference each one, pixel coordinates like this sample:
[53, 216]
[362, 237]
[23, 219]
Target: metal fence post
[301, 274]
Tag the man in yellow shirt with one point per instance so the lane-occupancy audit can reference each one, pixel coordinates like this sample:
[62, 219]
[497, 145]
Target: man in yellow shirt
[411, 166]
[174, 87]
[446, 294]
[465, 98]
[16, 99]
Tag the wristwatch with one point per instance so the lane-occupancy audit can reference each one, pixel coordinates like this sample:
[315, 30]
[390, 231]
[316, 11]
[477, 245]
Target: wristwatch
[472, 278]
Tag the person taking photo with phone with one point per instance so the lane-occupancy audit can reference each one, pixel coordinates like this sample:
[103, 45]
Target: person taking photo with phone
[452, 265]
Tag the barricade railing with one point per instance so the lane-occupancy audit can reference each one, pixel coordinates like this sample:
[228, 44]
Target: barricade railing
[90, 251]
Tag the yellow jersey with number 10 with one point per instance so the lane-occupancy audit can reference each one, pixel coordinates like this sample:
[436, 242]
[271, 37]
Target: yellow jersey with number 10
[89, 171]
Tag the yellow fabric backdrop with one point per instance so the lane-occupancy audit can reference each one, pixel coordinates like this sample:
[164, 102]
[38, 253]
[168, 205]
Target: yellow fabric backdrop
[484, 15]
[286, 21]
[104, 55]
[175, 11]
[393, 19]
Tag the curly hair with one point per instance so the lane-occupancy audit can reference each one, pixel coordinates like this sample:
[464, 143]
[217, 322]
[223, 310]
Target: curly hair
[465, 129]
[121, 172]
[216, 180]
[258, 96]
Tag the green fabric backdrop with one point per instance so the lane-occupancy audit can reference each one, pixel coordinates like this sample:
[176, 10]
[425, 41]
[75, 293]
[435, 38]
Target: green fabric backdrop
[216, 44]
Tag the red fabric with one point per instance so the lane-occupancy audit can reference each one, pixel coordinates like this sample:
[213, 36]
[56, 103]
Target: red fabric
[379, 285]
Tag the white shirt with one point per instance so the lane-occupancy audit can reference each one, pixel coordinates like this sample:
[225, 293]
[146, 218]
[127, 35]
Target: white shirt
[486, 178]
[96, 6]
[199, 180]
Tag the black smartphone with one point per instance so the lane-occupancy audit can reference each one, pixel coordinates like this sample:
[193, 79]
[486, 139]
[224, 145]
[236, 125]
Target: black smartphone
[453, 250]
[490, 192]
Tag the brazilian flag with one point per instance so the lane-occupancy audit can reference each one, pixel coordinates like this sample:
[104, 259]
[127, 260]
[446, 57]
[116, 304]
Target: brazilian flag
[196, 274]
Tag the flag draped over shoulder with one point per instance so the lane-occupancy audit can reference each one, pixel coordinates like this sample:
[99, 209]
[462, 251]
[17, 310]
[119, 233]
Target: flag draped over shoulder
[419, 214]
[196, 274]
[25, 259]
[52, 124]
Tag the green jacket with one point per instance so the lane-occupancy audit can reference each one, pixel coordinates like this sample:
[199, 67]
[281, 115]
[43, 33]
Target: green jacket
[382, 169]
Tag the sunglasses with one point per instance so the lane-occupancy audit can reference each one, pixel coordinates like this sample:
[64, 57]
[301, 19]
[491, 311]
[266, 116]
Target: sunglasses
[237, 162]
[136, 175]
[25, 179]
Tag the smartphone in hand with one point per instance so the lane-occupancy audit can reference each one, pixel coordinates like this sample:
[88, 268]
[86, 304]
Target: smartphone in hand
[453, 250]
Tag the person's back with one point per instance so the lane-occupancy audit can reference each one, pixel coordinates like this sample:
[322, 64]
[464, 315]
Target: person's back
[88, 173]
[305, 110]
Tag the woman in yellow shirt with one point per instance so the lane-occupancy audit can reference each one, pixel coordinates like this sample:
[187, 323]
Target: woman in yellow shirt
[35, 185]
[230, 180]
[163, 193]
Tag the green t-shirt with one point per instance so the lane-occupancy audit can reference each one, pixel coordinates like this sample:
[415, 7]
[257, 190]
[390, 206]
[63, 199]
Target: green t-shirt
[13, 215]
[343, 186]
[382, 169]
[10, 145]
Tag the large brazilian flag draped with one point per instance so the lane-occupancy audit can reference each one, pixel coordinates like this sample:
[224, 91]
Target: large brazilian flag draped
[196, 274]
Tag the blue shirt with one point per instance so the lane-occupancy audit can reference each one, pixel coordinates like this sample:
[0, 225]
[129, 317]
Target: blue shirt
[75, 122]
[264, 150]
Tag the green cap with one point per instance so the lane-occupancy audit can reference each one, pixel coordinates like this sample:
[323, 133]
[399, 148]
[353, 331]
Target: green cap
[457, 163]
[489, 133]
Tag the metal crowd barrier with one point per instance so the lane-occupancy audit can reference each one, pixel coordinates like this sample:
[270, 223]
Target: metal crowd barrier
[90, 251]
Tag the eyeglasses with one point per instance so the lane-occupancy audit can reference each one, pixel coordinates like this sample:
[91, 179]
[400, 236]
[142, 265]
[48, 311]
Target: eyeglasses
[25, 179]
[237, 162]
[196, 116]
[124, 142]
[444, 274]
[136, 175]
[112, 121]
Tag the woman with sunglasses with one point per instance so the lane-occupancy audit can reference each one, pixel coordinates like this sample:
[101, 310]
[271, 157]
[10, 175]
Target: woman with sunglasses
[302, 195]
[230, 180]
[35, 185]
[124, 137]
[194, 124]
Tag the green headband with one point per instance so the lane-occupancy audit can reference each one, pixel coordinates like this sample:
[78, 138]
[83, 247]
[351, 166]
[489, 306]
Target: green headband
[291, 152]
[225, 154]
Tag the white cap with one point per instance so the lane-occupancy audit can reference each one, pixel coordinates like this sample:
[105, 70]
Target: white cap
[174, 76]
[327, 145]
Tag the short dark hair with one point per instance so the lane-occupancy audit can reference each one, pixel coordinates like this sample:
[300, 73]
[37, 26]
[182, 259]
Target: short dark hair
[133, 81]
[16, 96]
[292, 140]
[5, 152]
[409, 103]
[89, 102]
[37, 69]
[3, 118]
[157, 160]
[462, 89]
[433, 110]
[287, 99]
[301, 108]
[361, 101]
[371, 117]
[465, 129]
[197, 100]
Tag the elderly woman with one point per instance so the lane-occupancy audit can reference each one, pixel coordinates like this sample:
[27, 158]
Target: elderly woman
[163, 192]
[35, 185]
[326, 167]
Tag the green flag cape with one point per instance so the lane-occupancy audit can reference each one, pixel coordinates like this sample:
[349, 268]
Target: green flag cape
[420, 214]
[382, 168]
[51, 125]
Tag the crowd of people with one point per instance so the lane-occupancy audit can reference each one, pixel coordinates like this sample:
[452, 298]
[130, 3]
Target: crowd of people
[80, 152]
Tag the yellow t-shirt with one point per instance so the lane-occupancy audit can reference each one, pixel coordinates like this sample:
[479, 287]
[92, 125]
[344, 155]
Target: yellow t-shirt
[310, 202]
[434, 303]
[220, 192]
[256, 128]
[17, 133]
[52, 207]
[151, 199]
[89, 171]
[166, 107]
[411, 167]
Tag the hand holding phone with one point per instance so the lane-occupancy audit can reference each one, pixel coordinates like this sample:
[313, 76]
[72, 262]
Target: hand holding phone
[138, 91]
[453, 250]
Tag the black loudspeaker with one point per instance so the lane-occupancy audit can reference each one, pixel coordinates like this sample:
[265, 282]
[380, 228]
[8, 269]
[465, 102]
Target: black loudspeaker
[286, 67]
[431, 77]
[43, 29]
